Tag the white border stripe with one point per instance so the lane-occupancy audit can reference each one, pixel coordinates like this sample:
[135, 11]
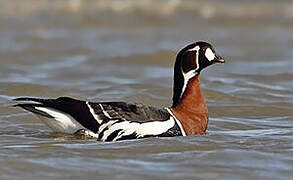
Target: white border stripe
[105, 112]
[93, 113]
[177, 121]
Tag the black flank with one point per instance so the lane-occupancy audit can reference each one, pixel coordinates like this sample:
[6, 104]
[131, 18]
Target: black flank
[101, 134]
[113, 135]
[130, 136]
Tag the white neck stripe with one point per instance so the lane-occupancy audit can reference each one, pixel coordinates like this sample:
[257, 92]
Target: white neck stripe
[196, 48]
[177, 121]
[187, 76]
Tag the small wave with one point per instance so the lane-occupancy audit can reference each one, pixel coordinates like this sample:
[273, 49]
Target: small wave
[207, 9]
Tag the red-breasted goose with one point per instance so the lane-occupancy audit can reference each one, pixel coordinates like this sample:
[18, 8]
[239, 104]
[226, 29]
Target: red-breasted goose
[113, 121]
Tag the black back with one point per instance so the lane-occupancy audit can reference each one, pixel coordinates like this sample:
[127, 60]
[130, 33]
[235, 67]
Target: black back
[135, 112]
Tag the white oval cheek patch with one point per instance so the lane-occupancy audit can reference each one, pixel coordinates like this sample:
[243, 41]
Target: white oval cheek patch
[209, 54]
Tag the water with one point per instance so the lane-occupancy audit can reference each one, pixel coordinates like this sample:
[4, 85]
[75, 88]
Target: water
[125, 50]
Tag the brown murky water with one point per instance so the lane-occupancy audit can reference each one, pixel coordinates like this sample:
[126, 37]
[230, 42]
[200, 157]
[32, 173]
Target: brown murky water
[125, 50]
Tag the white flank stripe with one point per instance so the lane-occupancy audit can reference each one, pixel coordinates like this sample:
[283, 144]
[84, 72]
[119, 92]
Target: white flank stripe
[92, 134]
[63, 122]
[103, 126]
[155, 127]
[93, 113]
[141, 129]
[105, 112]
[177, 121]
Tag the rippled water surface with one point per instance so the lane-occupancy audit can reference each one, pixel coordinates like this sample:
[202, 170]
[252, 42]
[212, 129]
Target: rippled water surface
[125, 50]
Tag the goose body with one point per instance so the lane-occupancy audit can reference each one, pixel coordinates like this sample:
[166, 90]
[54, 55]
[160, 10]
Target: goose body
[113, 121]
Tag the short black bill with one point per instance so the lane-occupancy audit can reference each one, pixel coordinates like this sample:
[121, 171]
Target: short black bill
[219, 59]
